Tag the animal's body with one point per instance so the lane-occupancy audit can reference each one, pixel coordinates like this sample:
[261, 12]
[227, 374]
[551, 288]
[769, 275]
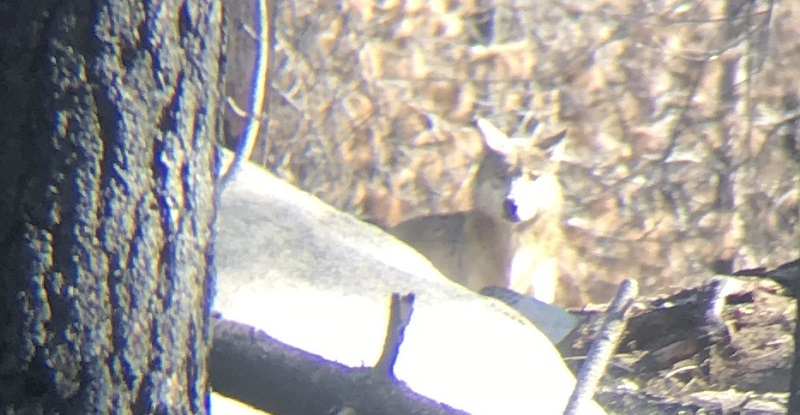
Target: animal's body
[512, 235]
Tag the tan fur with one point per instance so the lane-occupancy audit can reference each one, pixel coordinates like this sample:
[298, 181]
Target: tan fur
[512, 235]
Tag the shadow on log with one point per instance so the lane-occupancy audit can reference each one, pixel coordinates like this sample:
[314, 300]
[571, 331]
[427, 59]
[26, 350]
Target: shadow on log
[248, 365]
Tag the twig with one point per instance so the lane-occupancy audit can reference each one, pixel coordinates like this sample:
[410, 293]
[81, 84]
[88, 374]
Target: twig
[258, 89]
[240, 112]
[248, 365]
[400, 311]
[602, 349]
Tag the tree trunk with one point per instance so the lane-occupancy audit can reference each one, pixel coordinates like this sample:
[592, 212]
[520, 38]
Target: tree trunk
[107, 124]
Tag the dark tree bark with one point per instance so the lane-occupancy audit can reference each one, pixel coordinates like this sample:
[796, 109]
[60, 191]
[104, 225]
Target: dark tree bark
[107, 124]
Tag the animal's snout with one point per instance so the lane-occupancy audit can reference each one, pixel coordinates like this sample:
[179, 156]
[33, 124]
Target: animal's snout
[526, 199]
[510, 209]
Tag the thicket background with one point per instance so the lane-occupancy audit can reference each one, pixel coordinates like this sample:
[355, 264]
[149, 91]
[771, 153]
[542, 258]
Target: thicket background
[683, 119]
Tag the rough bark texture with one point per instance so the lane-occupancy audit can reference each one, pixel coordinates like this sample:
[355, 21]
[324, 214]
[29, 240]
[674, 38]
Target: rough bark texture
[107, 124]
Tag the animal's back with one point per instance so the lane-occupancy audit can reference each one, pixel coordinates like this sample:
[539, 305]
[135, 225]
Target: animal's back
[438, 237]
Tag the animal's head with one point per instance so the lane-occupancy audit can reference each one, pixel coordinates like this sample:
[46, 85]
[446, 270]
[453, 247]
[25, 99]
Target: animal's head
[517, 178]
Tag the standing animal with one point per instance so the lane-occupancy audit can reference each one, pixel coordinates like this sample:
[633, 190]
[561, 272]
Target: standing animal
[512, 235]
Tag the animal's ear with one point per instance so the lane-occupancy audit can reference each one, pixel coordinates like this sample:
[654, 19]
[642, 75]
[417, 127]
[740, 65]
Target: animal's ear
[495, 139]
[554, 145]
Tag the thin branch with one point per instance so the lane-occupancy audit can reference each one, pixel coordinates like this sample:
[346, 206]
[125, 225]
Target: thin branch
[400, 310]
[258, 91]
[602, 349]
